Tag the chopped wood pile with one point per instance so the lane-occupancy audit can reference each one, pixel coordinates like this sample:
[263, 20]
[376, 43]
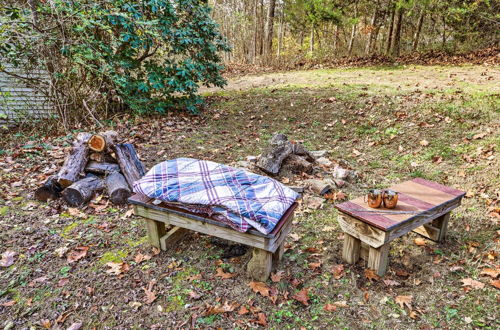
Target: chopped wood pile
[96, 162]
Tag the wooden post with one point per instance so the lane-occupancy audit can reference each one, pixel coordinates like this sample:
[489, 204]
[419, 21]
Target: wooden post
[351, 249]
[156, 230]
[278, 255]
[259, 267]
[442, 224]
[173, 237]
[378, 259]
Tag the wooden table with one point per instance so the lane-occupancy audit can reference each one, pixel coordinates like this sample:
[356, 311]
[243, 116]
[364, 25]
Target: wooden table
[268, 249]
[368, 232]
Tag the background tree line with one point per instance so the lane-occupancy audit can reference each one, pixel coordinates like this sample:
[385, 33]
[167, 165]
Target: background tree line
[263, 31]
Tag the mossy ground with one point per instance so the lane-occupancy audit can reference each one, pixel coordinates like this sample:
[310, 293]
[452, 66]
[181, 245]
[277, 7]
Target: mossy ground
[380, 112]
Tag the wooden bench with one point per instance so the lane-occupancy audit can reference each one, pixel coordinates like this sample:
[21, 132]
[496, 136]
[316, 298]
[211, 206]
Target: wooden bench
[368, 232]
[268, 249]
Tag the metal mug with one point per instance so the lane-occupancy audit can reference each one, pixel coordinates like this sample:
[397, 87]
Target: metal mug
[374, 198]
[390, 199]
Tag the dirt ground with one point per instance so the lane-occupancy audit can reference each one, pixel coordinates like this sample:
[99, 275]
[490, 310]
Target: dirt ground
[93, 266]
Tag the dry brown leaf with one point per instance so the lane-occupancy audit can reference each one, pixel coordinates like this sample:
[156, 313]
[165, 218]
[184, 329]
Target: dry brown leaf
[338, 271]
[78, 253]
[261, 319]
[259, 287]
[46, 324]
[312, 250]
[371, 275]
[330, 308]
[302, 296]
[243, 310]
[150, 294]
[117, 268]
[7, 258]
[193, 277]
[424, 143]
[222, 274]
[225, 308]
[276, 277]
[413, 315]
[404, 301]
[479, 136]
[141, 257]
[389, 282]
[341, 304]
[472, 283]
[490, 272]
[194, 295]
[495, 283]
[8, 303]
[314, 265]
[420, 241]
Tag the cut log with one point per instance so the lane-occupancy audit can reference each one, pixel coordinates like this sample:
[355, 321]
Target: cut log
[118, 189]
[50, 190]
[102, 168]
[82, 191]
[75, 162]
[318, 186]
[129, 162]
[279, 148]
[300, 150]
[103, 141]
[294, 164]
[102, 157]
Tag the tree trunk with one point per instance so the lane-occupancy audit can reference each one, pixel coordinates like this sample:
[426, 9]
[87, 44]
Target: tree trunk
[129, 162]
[336, 37]
[82, 191]
[50, 190]
[103, 141]
[75, 162]
[118, 189]
[396, 42]
[369, 42]
[280, 33]
[102, 168]
[416, 38]
[444, 32]
[255, 30]
[269, 28]
[311, 40]
[391, 29]
[353, 33]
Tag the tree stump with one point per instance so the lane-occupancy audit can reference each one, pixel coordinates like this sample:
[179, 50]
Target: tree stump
[75, 162]
[118, 189]
[82, 191]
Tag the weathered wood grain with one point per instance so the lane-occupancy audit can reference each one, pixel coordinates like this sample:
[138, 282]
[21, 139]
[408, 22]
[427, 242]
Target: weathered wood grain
[259, 267]
[378, 259]
[75, 162]
[172, 238]
[351, 249]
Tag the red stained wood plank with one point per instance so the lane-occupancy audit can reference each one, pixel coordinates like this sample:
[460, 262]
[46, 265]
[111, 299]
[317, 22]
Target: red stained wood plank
[376, 220]
[437, 186]
[415, 202]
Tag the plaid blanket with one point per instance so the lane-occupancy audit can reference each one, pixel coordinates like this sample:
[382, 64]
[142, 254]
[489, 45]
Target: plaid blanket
[235, 196]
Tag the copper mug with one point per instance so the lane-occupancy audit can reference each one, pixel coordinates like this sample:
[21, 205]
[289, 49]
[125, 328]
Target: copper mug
[390, 199]
[375, 198]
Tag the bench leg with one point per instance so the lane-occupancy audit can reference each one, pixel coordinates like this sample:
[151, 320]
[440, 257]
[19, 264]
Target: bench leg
[442, 224]
[378, 258]
[156, 230]
[259, 267]
[173, 237]
[278, 255]
[351, 249]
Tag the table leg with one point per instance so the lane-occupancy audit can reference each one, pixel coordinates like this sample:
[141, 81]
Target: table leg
[278, 255]
[351, 249]
[378, 258]
[173, 236]
[259, 267]
[156, 230]
[442, 224]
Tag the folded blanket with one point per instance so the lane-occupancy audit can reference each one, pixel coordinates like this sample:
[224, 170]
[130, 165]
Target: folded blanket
[241, 197]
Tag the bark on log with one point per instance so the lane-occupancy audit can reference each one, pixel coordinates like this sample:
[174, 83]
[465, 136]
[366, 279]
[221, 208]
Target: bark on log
[75, 162]
[118, 189]
[82, 191]
[102, 157]
[295, 165]
[129, 162]
[300, 150]
[103, 141]
[102, 168]
[49, 190]
[271, 159]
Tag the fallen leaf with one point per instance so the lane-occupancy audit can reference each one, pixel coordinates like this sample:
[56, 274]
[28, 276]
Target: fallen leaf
[338, 271]
[302, 296]
[413, 315]
[60, 252]
[294, 237]
[404, 301]
[243, 310]
[371, 275]
[46, 324]
[314, 265]
[76, 213]
[117, 268]
[141, 257]
[424, 143]
[389, 282]
[420, 241]
[225, 308]
[194, 295]
[276, 277]
[495, 283]
[312, 250]
[222, 274]
[330, 308]
[193, 277]
[472, 283]
[8, 303]
[479, 136]
[62, 282]
[490, 272]
[150, 294]
[261, 319]
[7, 258]
[341, 304]
[259, 287]
[78, 253]
[75, 326]
[402, 272]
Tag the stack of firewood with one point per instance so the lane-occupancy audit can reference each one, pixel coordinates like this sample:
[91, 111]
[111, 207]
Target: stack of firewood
[96, 163]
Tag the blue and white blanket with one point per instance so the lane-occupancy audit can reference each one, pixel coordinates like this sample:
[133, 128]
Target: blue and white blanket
[232, 195]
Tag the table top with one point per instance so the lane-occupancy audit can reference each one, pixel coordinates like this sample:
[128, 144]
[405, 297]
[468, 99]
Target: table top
[415, 197]
[147, 202]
